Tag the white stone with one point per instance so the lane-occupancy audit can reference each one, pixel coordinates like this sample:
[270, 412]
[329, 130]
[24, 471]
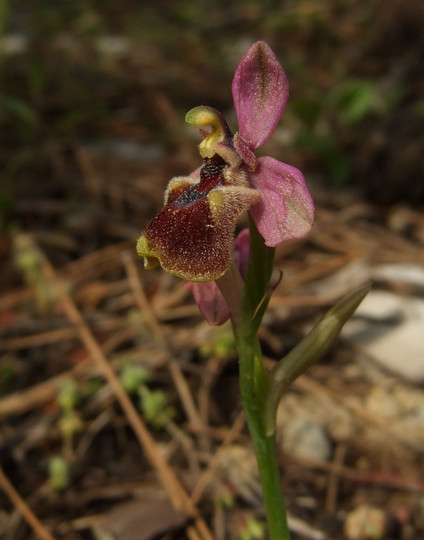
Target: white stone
[404, 273]
[306, 439]
[364, 522]
[390, 329]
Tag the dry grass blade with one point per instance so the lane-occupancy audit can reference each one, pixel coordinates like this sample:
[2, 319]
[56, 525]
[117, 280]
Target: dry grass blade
[208, 474]
[37, 395]
[24, 509]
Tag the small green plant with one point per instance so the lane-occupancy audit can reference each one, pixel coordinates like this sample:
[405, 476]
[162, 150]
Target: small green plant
[354, 100]
[155, 407]
[223, 497]
[133, 378]
[153, 403]
[70, 422]
[221, 345]
[69, 425]
[59, 474]
[69, 397]
[29, 262]
[253, 530]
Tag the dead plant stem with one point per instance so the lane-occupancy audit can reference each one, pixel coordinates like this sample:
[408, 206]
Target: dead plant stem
[24, 509]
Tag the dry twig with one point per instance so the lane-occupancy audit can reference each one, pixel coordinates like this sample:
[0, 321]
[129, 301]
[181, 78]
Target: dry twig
[23, 508]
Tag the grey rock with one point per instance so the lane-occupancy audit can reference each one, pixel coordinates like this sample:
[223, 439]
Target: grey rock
[389, 328]
[306, 439]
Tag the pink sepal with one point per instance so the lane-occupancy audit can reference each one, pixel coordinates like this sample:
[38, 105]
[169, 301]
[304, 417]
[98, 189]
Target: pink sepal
[286, 210]
[210, 302]
[260, 91]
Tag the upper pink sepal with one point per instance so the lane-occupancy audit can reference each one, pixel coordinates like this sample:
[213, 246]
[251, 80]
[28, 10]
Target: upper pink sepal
[286, 209]
[260, 92]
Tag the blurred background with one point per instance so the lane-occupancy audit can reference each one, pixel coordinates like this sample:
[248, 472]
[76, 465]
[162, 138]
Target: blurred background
[92, 103]
[111, 82]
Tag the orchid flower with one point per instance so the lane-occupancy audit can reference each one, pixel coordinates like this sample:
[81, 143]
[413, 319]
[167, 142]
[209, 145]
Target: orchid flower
[192, 237]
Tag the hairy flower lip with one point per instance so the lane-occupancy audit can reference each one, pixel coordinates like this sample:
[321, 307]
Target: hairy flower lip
[194, 194]
[192, 236]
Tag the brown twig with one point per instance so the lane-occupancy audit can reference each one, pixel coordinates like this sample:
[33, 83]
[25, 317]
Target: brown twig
[35, 340]
[209, 473]
[39, 394]
[24, 509]
[333, 480]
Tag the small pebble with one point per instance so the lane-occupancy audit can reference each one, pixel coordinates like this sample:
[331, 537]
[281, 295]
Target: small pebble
[365, 522]
[306, 439]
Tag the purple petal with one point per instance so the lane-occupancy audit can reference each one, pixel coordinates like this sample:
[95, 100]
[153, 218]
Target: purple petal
[211, 302]
[260, 91]
[286, 210]
[241, 251]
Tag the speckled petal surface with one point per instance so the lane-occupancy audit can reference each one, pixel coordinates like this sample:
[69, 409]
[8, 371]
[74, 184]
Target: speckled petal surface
[285, 210]
[260, 91]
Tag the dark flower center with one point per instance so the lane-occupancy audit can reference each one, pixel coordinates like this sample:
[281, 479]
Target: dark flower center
[211, 176]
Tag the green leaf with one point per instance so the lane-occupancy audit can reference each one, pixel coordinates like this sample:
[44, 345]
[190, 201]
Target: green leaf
[311, 349]
[18, 110]
[355, 100]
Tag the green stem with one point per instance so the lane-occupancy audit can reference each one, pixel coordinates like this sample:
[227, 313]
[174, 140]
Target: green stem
[251, 369]
[254, 382]
[261, 392]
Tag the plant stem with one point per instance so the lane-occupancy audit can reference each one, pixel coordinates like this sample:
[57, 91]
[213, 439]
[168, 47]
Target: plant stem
[254, 381]
[251, 368]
